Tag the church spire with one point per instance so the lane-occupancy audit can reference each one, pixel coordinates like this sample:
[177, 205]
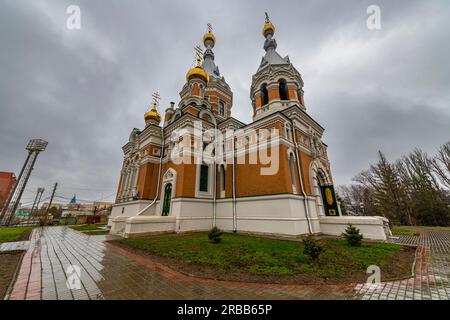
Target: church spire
[270, 46]
[276, 85]
[209, 40]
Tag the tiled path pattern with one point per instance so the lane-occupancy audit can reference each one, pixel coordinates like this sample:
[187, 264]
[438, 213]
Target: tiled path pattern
[432, 272]
[109, 272]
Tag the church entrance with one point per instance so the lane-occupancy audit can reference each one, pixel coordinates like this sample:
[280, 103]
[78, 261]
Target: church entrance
[328, 196]
[167, 199]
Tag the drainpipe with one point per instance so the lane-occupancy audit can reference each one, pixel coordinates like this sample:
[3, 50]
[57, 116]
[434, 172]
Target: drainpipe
[234, 188]
[159, 175]
[215, 174]
[305, 200]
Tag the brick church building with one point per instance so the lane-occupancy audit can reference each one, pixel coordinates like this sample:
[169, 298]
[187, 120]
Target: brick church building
[197, 167]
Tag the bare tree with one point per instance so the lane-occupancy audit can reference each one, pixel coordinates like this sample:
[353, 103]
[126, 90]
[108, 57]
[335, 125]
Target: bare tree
[441, 164]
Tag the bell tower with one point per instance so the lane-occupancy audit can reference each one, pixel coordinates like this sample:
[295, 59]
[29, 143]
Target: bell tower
[276, 85]
[218, 92]
[205, 86]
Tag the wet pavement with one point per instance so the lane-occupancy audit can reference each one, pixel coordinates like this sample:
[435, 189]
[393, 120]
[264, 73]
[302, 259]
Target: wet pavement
[13, 246]
[431, 271]
[64, 264]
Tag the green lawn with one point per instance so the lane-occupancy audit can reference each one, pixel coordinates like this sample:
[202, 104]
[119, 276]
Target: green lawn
[403, 231]
[262, 256]
[88, 227]
[415, 230]
[96, 232]
[10, 234]
[91, 229]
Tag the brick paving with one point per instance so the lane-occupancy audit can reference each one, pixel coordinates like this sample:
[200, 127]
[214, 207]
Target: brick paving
[109, 272]
[431, 272]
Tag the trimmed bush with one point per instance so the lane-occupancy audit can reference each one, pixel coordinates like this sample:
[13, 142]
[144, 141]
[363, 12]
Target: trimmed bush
[353, 236]
[312, 248]
[215, 235]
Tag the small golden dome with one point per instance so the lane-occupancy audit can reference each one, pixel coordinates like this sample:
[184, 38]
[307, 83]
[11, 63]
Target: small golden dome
[197, 72]
[152, 115]
[209, 37]
[268, 27]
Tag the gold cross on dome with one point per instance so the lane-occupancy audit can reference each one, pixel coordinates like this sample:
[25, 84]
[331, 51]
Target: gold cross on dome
[156, 98]
[199, 53]
[267, 17]
[210, 28]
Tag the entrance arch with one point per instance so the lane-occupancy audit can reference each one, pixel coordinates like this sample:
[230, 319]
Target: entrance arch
[319, 178]
[167, 192]
[167, 200]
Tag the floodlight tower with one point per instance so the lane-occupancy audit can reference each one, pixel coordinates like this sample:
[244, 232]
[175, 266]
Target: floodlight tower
[37, 200]
[34, 147]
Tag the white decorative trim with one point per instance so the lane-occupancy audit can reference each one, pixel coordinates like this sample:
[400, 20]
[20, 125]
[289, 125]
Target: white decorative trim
[170, 176]
[203, 194]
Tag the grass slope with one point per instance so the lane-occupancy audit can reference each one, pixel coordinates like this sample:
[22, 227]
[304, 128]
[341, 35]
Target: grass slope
[251, 255]
[10, 234]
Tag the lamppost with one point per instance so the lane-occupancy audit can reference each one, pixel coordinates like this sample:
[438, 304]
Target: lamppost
[361, 205]
[34, 147]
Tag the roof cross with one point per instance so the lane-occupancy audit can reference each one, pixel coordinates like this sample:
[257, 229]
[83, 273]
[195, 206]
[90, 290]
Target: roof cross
[199, 53]
[210, 28]
[156, 98]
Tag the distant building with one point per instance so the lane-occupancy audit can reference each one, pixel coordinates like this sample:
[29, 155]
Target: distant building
[54, 205]
[7, 181]
[74, 213]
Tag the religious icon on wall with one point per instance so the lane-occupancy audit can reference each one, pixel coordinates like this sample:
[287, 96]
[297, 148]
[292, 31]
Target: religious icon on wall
[329, 201]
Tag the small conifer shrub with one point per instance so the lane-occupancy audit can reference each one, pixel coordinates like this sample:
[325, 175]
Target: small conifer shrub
[215, 235]
[353, 236]
[312, 248]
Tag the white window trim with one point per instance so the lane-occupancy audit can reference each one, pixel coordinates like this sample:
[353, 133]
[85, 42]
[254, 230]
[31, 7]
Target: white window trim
[204, 194]
[166, 181]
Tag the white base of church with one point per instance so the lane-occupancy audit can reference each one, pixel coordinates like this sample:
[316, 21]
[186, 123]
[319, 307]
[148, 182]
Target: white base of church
[276, 215]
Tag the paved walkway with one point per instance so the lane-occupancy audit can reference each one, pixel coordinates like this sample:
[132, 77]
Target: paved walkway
[431, 269]
[64, 264]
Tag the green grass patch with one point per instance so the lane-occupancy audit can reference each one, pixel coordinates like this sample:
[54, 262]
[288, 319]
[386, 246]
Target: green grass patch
[10, 234]
[261, 256]
[87, 227]
[415, 230]
[96, 233]
[403, 231]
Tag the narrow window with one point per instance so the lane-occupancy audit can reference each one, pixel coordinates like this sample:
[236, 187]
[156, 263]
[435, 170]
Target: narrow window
[292, 169]
[283, 90]
[204, 169]
[124, 180]
[265, 94]
[222, 172]
[221, 108]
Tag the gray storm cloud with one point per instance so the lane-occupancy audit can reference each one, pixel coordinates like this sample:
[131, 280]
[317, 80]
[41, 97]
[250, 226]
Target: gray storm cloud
[84, 90]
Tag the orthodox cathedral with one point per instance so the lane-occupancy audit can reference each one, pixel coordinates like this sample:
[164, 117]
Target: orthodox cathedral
[195, 166]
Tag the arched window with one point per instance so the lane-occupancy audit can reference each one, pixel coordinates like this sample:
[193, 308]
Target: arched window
[321, 178]
[222, 177]
[221, 108]
[283, 90]
[124, 182]
[204, 173]
[265, 94]
[292, 170]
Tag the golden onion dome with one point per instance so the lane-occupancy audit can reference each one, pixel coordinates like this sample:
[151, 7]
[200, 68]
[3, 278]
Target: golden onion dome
[268, 27]
[209, 37]
[197, 72]
[152, 115]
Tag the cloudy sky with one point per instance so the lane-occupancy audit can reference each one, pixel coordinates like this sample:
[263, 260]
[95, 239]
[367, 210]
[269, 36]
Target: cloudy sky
[84, 90]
